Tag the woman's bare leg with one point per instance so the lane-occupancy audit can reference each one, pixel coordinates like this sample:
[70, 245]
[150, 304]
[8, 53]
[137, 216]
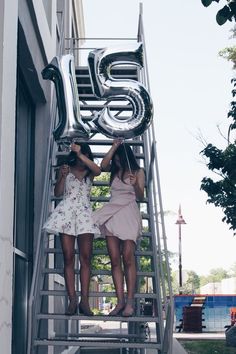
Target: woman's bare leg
[130, 275]
[113, 246]
[68, 249]
[85, 244]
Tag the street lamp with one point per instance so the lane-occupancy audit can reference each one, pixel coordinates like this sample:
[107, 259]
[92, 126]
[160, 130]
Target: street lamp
[180, 221]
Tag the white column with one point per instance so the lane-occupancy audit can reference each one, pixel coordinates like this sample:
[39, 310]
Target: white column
[8, 55]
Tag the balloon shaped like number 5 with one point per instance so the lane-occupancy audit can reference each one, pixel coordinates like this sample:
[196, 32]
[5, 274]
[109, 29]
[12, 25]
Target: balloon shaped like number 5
[106, 87]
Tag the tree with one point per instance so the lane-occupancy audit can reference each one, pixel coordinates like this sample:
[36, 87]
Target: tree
[226, 13]
[215, 276]
[229, 53]
[222, 192]
[192, 284]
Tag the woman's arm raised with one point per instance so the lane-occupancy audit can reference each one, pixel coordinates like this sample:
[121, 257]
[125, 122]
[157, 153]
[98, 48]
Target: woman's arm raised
[94, 168]
[105, 164]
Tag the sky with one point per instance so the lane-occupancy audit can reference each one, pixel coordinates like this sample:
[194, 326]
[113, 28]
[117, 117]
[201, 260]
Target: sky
[191, 91]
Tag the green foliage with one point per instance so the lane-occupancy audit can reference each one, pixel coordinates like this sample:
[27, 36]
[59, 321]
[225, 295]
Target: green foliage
[216, 275]
[206, 3]
[145, 264]
[97, 312]
[222, 192]
[192, 284]
[102, 190]
[207, 346]
[100, 262]
[229, 53]
[226, 13]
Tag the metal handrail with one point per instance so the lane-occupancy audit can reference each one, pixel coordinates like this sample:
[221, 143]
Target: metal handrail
[38, 259]
[157, 191]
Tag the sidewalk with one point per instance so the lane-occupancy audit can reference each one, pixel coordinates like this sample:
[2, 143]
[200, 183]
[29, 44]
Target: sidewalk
[202, 336]
[177, 347]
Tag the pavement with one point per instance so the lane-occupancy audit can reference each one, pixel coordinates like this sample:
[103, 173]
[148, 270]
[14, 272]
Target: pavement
[203, 335]
[112, 327]
[177, 348]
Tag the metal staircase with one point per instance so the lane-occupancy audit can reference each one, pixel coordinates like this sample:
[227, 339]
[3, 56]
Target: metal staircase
[50, 331]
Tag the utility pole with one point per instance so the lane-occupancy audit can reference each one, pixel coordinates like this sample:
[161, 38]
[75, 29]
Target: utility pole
[180, 221]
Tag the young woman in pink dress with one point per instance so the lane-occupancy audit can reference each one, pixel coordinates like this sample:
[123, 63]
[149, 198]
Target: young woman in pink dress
[120, 221]
[72, 219]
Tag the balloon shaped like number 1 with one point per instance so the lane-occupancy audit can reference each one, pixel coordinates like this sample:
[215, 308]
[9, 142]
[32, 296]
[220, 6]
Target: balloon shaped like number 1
[61, 71]
[106, 87]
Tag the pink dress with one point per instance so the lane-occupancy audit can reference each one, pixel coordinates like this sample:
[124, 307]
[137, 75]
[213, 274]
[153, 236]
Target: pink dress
[120, 217]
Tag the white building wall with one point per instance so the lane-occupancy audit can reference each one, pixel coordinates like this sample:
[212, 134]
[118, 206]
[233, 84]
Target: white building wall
[41, 42]
[228, 286]
[47, 34]
[8, 57]
[211, 288]
[225, 287]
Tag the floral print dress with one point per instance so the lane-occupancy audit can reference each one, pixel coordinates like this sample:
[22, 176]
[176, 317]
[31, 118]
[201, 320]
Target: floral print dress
[73, 215]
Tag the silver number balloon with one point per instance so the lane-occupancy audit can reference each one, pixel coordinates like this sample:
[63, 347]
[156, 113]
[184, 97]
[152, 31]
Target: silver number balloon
[106, 87]
[62, 73]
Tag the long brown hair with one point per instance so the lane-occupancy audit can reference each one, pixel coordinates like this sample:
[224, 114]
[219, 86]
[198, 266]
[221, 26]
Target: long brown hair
[85, 150]
[127, 161]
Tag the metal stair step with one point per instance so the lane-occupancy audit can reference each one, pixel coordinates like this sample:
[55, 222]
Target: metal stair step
[103, 318]
[106, 199]
[96, 294]
[94, 272]
[102, 154]
[88, 97]
[110, 142]
[146, 234]
[100, 351]
[102, 200]
[98, 252]
[84, 85]
[97, 344]
[101, 183]
[98, 154]
[104, 336]
[118, 70]
[86, 77]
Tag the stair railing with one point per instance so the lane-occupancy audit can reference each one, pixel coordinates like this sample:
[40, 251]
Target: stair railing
[40, 258]
[154, 180]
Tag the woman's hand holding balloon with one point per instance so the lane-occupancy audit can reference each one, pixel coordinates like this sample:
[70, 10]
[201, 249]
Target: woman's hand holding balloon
[133, 179]
[76, 148]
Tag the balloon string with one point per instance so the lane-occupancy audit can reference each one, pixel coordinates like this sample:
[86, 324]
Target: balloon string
[127, 158]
